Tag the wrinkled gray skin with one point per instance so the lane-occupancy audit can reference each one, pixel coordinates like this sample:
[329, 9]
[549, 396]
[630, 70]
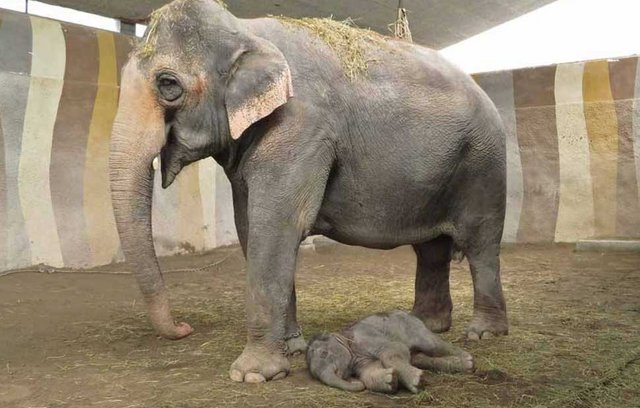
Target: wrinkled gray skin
[410, 152]
[380, 351]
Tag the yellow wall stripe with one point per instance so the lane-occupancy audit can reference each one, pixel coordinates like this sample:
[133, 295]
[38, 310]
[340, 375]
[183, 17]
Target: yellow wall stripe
[98, 211]
[602, 127]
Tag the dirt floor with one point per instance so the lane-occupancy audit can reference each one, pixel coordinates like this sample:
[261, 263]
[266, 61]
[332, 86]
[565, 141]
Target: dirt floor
[81, 340]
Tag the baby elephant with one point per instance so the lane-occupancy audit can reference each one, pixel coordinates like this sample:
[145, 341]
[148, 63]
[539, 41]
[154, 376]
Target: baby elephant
[380, 351]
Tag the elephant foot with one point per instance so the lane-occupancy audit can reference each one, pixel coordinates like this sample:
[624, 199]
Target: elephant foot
[159, 313]
[384, 380]
[296, 345]
[467, 363]
[417, 381]
[178, 331]
[257, 364]
[488, 325]
[436, 322]
[387, 381]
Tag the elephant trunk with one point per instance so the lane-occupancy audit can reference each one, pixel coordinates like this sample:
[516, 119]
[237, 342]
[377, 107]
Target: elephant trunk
[330, 378]
[138, 136]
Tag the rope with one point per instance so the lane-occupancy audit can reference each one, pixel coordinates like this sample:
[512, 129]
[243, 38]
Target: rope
[401, 26]
[50, 270]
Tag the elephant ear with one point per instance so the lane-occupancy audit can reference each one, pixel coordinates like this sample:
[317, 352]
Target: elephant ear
[259, 85]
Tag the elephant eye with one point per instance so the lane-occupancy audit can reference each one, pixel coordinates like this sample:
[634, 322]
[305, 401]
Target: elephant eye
[169, 87]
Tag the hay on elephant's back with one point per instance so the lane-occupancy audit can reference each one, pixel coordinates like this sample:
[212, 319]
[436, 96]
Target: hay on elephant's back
[343, 37]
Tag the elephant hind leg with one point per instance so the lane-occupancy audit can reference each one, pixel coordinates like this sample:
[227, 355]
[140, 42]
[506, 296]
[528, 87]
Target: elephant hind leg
[461, 363]
[432, 302]
[489, 308]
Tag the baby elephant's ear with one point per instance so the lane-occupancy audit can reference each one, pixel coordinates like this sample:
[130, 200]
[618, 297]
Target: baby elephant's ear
[260, 84]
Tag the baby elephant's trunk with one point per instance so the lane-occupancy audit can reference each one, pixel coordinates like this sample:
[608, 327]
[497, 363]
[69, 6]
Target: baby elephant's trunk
[330, 378]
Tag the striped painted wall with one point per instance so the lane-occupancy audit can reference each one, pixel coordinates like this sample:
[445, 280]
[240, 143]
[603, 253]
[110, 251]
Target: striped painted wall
[58, 99]
[573, 149]
[573, 152]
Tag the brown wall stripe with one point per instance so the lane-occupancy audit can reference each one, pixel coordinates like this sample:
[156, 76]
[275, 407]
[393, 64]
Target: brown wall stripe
[3, 195]
[3, 201]
[15, 57]
[622, 74]
[70, 141]
[602, 128]
[537, 136]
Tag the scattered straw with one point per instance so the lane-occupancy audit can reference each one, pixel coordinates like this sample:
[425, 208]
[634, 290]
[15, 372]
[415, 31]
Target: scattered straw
[573, 340]
[147, 46]
[164, 14]
[346, 39]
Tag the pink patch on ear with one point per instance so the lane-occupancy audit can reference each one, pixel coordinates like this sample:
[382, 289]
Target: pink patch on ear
[261, 106]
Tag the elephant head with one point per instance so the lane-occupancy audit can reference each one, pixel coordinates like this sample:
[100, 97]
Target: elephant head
[193, 85]
[329, 359]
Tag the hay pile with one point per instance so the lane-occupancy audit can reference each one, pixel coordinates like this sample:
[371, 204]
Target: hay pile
[345, 39]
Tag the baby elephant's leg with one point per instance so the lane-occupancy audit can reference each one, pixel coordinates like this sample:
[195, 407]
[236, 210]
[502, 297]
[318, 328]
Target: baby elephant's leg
[462, 363]
[379, 379]
[431, 352]
[398, 356]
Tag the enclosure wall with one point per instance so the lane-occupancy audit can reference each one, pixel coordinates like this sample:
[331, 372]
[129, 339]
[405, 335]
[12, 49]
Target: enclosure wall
[58, 99]
[573, 152]
[573, 149]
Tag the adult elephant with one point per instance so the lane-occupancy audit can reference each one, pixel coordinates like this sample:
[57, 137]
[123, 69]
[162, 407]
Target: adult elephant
[321, 129]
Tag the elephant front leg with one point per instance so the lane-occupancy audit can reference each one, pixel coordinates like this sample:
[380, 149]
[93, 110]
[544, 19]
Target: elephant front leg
[282, 201]
[397, 356]
[376, 377]
[271, 257]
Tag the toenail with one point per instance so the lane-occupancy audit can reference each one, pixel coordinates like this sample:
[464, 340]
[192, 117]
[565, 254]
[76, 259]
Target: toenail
[254, 378]
[236, 376]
